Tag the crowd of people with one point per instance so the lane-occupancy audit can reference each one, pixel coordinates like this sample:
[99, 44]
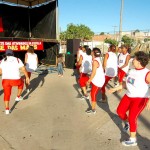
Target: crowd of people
[96, 73]
[10, 67]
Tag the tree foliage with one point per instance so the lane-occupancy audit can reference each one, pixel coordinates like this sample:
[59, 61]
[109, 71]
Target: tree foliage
[146, 39]
[127, 40]
[77, 32]
[102, 33]
[111, 41]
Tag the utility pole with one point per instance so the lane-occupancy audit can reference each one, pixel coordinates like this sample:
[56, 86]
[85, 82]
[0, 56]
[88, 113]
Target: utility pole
[114, 32]
[120, 27]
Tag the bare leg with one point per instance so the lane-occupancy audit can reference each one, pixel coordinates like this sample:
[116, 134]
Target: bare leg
[93, 105]
[6, 104]
[19, 92]
[84, 90]
[133, 134]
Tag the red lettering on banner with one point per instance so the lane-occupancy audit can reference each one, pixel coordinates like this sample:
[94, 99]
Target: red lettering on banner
[20, 45]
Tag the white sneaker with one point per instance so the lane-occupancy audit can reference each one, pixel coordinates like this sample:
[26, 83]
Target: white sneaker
[20, 98]
[116, 85]
[7, 112]
[102, 101]
[85, 97]
[27, 90]
[129, 142]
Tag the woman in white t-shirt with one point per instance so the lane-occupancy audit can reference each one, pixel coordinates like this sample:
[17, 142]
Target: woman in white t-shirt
[9, 68]
[110, 65]
[123, 63]
[85, 70]
[31, 62]
[97, 78]
[136, 97]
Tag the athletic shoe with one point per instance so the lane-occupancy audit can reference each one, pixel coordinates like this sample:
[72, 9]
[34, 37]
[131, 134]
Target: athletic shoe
[7, 112]
[84, 97]
[126, 127]
[129, 142]
[20, 98]
[27, 90]
[91, 111]
[116, 85]
[102, 101]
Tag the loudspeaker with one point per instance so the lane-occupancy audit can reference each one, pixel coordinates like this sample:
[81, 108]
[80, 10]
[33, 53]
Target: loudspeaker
[70, 61]
[73, 45]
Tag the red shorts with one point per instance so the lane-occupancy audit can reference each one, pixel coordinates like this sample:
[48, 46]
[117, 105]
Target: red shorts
[83, 79]
[8, 84]
[121, 75]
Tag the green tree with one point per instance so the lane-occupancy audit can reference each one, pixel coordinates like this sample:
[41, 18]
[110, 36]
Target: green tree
[111, 41]
[77, 32]
[127, 40]
[102, 33]
[146, 39]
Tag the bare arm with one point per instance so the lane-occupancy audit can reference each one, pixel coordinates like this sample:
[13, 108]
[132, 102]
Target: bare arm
[80, 61]
[23, 69]
[126, 62]
[105, 61]
[148, 81]
[94, 67]
[112, 90]
[37, 60]
[25, 59]
[0, 71]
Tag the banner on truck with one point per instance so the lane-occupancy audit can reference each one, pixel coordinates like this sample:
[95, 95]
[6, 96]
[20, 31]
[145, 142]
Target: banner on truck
[20, 45]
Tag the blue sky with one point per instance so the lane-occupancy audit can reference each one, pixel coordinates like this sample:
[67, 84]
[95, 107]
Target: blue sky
[102, 15]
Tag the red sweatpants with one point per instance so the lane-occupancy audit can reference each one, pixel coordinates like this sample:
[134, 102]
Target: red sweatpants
[83, 79]
[8, 84]
[134, 106]
[121, 75]
[94, 91]
[107, 78]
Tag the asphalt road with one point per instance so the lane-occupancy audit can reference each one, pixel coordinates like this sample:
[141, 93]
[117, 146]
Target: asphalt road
[52, 117]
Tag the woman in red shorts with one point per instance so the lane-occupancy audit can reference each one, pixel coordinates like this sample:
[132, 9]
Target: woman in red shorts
[9, 68]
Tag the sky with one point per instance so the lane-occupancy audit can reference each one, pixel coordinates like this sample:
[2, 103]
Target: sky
[103, 15]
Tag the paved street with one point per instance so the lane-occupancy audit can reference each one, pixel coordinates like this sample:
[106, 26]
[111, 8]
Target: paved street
[52, 117]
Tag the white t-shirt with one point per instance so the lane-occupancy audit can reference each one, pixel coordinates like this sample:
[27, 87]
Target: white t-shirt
[99, 78]
[79, 54]
[112, 65]
[122, 60]
[136, 83]
[86, 66]
[31, 64]
[10, 67]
